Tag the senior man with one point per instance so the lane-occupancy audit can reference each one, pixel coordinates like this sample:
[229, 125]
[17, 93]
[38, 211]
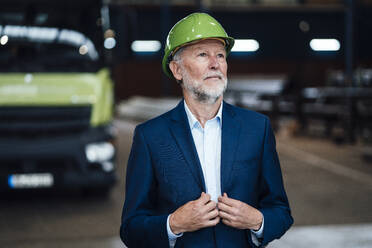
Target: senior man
[205, 174]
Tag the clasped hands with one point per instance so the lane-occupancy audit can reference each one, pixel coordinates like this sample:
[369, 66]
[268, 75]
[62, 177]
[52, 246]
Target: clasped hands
[203, 212]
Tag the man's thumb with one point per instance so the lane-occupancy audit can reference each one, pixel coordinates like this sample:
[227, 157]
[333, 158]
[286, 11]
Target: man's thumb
[204, 197]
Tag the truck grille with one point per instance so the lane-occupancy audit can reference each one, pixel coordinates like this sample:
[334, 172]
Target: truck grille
[29, 122]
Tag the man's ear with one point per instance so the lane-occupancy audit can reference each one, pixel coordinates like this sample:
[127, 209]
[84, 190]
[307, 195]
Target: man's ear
[176, 70]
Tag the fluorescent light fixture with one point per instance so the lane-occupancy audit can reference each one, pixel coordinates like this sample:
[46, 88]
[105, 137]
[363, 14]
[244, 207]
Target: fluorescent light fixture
[4, 39]
[146, 45]
[247, 45]
[325, 44]
[109, 43]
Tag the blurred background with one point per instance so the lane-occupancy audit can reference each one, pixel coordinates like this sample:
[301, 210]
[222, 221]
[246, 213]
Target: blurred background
[77, 76]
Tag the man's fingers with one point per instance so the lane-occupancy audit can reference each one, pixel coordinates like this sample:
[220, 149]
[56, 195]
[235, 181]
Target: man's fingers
[226, 208]
[212, 214]
[210, 206]
[228, 201]
[225, 215]
[213, 222]
[224, 200]
[226, 222]
[227, 219]
[216, 220]
[204, 198]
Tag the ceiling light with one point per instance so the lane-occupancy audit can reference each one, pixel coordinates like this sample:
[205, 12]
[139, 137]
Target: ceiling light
[146, 46]
[325, 44]
[245, 45]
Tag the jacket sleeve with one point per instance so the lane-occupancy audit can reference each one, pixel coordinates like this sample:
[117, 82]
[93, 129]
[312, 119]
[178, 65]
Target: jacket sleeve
[140, 226]
[273, 202]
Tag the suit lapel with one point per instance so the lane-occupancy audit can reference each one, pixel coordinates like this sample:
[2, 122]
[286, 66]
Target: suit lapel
[229, 142]
[182, 134]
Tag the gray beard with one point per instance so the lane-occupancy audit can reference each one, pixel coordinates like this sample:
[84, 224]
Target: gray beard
[199, 94]
[203, 96]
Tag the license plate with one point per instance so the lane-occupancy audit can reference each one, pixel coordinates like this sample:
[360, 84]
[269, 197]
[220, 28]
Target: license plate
[27, 181]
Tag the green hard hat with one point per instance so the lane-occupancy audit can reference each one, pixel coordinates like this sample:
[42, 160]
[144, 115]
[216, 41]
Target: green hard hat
[196, 26]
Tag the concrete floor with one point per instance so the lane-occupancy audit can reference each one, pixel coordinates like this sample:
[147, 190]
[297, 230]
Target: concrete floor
[329, 188]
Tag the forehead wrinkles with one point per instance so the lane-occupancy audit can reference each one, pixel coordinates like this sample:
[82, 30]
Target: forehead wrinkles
[209, 47]
[205, 45]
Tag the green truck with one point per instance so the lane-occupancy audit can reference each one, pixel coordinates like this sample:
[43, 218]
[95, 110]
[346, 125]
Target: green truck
[56, 97]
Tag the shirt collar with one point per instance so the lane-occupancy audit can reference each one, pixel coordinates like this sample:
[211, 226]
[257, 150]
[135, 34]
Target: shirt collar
[193, 122]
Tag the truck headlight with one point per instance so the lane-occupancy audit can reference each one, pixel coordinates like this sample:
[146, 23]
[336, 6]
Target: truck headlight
[99, 152]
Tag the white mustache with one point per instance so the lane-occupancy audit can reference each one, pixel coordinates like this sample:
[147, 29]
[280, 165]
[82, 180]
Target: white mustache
[214, 74]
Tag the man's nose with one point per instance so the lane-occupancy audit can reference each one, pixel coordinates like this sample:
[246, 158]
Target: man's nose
[213, 63]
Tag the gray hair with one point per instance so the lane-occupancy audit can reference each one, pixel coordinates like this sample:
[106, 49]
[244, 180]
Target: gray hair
[178, 58]
[177, 55]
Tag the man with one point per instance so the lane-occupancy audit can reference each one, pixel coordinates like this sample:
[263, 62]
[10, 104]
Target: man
[205, 174]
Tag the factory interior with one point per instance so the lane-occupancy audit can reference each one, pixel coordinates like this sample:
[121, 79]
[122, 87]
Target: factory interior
[78, 76]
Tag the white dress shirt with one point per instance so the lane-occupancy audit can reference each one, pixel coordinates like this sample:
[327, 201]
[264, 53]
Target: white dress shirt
[207, 141]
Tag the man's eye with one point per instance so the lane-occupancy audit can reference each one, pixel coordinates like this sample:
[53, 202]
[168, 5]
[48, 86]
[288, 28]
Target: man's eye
[220, 55]
[202, 54]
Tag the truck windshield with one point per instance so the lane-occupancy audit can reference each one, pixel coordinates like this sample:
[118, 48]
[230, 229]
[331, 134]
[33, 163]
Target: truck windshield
[42, 49]
[59, 37]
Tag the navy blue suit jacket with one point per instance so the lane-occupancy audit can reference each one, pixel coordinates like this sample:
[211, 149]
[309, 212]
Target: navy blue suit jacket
[164, 172]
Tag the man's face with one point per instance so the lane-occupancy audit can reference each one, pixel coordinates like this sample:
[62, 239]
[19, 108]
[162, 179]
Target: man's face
[203, 70]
